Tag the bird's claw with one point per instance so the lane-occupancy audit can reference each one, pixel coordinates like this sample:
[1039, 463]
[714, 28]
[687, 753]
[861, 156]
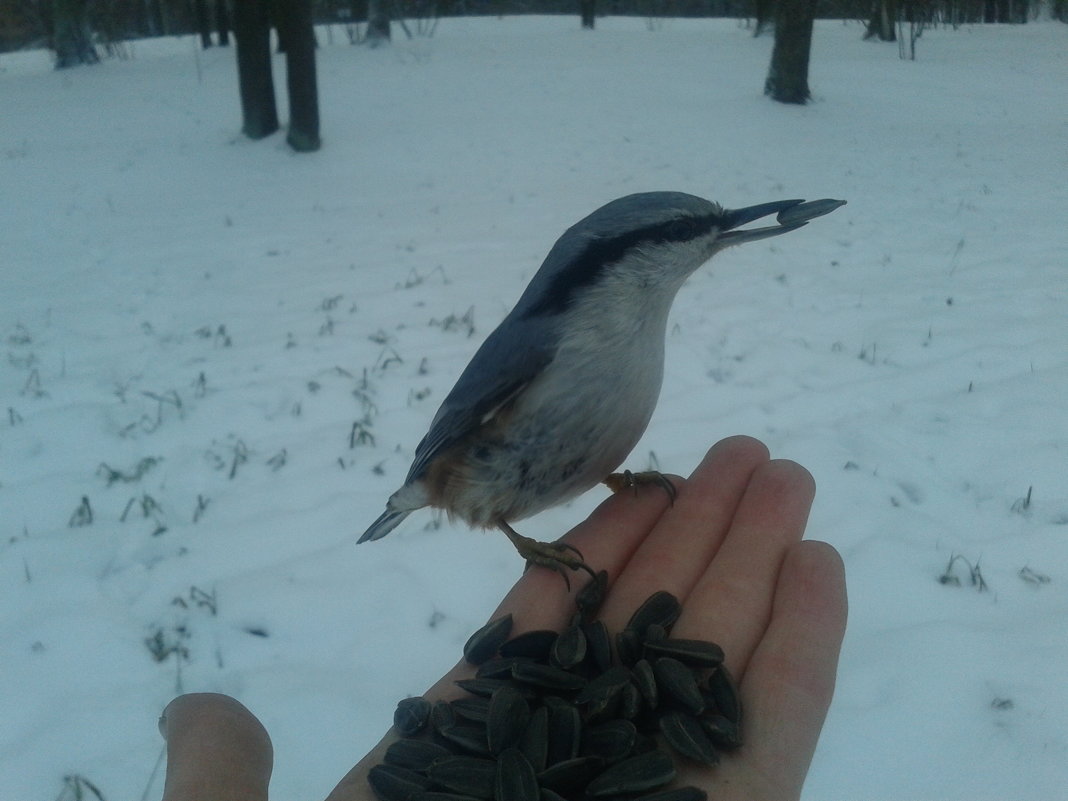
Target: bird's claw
[617, 482]
[558, 556]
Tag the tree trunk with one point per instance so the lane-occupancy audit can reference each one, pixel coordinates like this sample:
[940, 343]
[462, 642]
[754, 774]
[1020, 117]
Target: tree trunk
[377, 23]
[882, 24]
[763, 13]
[200, 8]
[222, 23]
[787, 79]
[588, 12]
[70, 34]
[253, 33]
[295, 18]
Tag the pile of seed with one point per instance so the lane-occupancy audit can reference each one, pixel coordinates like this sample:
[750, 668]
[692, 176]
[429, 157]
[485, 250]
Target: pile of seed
[551, 716]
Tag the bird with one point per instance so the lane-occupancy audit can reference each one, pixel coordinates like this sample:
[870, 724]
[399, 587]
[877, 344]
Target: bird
[561, 391]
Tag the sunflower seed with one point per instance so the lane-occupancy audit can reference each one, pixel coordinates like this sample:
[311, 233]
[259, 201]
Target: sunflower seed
[474, 709]
[531, 644]
[483, 644]
[535, 740]
[414, 754]
[630, 701]
[570, 775]
[499, 667]
[516, 780]
[661, 609]
[683, 733]
[565, 730]
[645, 681]
[442, 716]
[676, 680]
[677, 794]
[548, 795]
[610, 741]
[722, 732]
[547, 676]
[569, 649]
[606, 685]
[428, 795]
[509, 714]
[392, 783]
[411, 715]
[634, 775]
[628, 646]
[654, 633]
[590, 597]
[693, 652]
[465, 775]
[725, 693]
[471, 739]
[598, 645]
[485, 688]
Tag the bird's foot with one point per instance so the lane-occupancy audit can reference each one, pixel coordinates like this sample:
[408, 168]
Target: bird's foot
[558, 556]
[617, 482]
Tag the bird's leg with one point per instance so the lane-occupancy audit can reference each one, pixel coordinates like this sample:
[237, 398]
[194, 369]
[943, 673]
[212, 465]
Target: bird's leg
[558, 556]
[628, 480]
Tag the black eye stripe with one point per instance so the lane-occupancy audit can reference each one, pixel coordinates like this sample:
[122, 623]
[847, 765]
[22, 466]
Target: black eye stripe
[599, 253]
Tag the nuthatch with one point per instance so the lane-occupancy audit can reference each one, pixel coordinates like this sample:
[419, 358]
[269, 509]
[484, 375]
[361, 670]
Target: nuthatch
[563, 389]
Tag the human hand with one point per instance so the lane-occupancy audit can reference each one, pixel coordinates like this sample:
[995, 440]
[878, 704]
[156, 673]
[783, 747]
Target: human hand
[729, 548]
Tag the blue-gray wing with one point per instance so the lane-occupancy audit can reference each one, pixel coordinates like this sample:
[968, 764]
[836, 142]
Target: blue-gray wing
[499, 371]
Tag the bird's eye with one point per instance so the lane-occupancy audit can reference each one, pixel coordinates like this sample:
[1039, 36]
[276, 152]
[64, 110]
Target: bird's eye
[681, 230]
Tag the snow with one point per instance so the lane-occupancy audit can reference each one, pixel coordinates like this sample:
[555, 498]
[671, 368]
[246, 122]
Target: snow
[228, 310]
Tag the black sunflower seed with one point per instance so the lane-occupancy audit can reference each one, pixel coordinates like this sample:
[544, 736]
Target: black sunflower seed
[431, 795]
[442, 716]
[628, 646]
[516, 779]
[509, 714]
[661, 609]
[686, 735]
[465, 775]
[725, 693]
[471, 739]
[531, 644]
[645, 681]
[607, 685]
[414, 754]
[571, 775]
[565, 730]
[485, 642]
[678, 794]
[692, 652]
[411, 715]
[598, 645]
[569, 649]
[485, 688]
[499, 667]
[676, 680]
[724, 733]
[547, 677]
[391, 783]
[535, 740]
[634, 775]
[475, 709]
[611, 741]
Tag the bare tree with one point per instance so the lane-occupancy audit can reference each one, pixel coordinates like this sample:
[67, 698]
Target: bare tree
[787, 79]
[253, 33]
[296, 30]
[588, 13]
[882, 21]
[70, 35]
[377, 23]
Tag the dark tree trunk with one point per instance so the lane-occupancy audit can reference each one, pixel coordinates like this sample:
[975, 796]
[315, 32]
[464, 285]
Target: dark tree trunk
[588, 12]
[295, 18]
[787, 79]
[200, 8]
[883, 22]
[253, 33]
[70, 34]
[764, 13]
[377, 23]
[222, 23]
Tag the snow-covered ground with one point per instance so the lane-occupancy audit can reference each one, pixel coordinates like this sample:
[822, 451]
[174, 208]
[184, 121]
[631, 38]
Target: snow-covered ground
[229, 352]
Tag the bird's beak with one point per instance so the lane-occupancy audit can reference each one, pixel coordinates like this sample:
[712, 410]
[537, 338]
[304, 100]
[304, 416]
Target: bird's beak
[791, 215]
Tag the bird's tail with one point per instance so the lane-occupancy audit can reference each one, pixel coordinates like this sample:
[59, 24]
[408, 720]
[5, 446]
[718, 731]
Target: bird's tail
[387, 521]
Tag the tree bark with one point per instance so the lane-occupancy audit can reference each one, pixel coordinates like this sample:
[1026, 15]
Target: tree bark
[883, 22]
[71, 40]
[253, 33]
[377, 23]
[200, 8]
[764, 11]
[787, 79]
[295, 18]
[588, 12]
[222, 23]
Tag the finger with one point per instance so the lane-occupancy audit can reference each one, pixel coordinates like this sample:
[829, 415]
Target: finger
[677, 552]
[732, 602]
[216, 749]
[788, 685]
